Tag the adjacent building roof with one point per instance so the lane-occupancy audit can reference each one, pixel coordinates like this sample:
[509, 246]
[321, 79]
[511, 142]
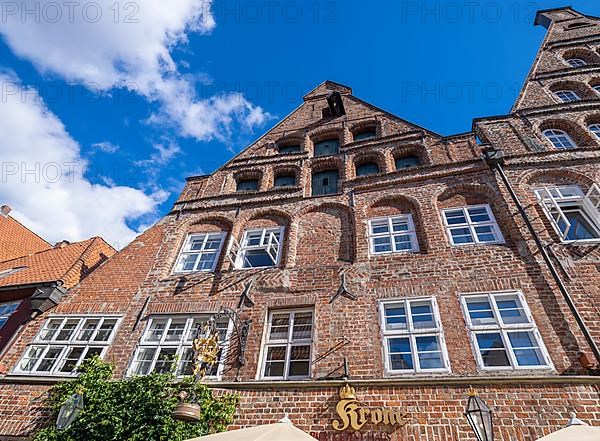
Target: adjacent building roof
[16, 240]
[66, 263]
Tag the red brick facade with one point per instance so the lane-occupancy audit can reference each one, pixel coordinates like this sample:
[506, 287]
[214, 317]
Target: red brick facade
[326, 241]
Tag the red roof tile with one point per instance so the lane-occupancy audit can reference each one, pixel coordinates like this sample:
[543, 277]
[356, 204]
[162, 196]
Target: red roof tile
[16, 240]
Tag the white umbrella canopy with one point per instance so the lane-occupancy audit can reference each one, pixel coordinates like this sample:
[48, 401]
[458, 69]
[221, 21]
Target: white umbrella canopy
[571, 433]
[268, 432]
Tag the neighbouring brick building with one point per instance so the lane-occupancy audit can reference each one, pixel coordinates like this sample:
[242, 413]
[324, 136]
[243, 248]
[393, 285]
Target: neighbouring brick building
[363, 246]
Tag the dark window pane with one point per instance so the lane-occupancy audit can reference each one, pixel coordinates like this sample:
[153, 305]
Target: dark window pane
[285, 181]
[368, 168]
[367, 134]
[580, 227]
[407, 162]
[257, 258]
[290, 149]
[248, 185]
[325, 183]
[401, 361]
[327, 147]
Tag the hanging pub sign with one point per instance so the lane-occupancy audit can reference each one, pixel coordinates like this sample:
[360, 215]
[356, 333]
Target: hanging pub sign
[353, 415]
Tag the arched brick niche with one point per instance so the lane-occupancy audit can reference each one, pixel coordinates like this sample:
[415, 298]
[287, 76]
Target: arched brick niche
[581, 89]
[239, 178]
[374, 158]
[408, 154]
[285, 171]
[324, 235]
[320, 165]
[321, 135]
[360, 129]
[197, 225]
[590, 57]
[592, 124]
[578, 134]
[290, 144]
[396, 205]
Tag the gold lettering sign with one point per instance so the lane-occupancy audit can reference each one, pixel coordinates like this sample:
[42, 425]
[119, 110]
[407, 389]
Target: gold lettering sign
[354, 415]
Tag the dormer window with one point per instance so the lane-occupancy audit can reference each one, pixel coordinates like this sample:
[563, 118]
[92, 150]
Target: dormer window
[288, 149]
[285, 180]
[576, 62]
[365, 134]
[567, 96]
[327, 147]
[245, 185]
[559, 139]
[367, 168]
[407, 162]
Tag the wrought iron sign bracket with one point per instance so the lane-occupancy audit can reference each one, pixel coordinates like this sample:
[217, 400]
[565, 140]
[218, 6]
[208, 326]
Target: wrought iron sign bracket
[343, 291]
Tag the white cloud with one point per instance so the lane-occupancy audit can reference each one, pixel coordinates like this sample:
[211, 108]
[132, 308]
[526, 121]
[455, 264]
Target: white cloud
[41, 176]
[106, 146]
[116, 52]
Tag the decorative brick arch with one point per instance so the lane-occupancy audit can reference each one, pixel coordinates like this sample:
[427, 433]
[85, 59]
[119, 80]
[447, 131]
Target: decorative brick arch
[410, 150]
[400, 204]
[375, 156]
[291, 139]
[555, 176]
[329, 229]
[287, 169]
[581, 136]
[364, 124]
[587, 55]
[580, 88]
[243, 175]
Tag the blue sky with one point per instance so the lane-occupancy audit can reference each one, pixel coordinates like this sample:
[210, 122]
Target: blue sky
[142, 130]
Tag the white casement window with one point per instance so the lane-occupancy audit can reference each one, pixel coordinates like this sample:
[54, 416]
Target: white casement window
[166, 345]
[576, 62]
[200, 252]
[559, 139]
[413, 340]
[595, 129]
[474, 224]
[287, 352]
[394, 234]
[597, 88]
[503, 333]
[260, 248]
[64, 343]
[574, 215]
[6, 310]
[567, 96]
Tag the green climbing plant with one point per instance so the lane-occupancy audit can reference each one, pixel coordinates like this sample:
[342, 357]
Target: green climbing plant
[134, 409]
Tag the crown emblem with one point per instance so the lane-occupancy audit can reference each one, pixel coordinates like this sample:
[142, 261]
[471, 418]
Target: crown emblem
[347, 393]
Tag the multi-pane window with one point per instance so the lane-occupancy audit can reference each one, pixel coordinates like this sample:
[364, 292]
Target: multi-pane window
[259, 248]
[6, 310]
[200, 252]
[64, 343]
[559, 139]
[412, 336]
[576, 62]
[503, 333]
[595, 129]
[474, 224]
[166, 345]
[393, 234]
[567, 96]
[288, 345]
[574, 215]
[327, 147]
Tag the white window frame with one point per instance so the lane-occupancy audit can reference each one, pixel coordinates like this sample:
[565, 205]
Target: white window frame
[288, 343]
[411, 232]
[411, 332]
[4, 316]
[597, 89]
[66, 345]
[185, 251]
[576, 62]
[180, 346]
[552, 199]
[595, 129]
[503, 329]
[552, 135]
[567, 96]
[268, 242]
[471, 225]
